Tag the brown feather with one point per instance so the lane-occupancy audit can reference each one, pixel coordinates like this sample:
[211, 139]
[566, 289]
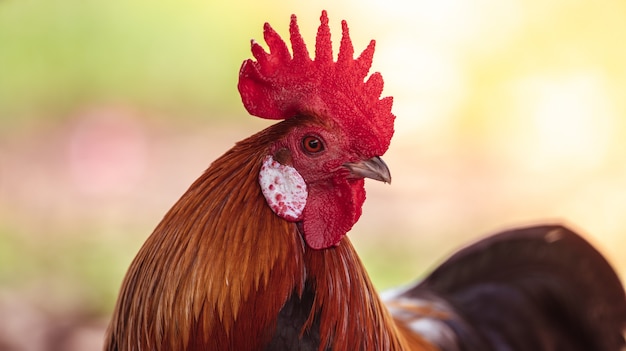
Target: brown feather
[352, 315]
[218, 253]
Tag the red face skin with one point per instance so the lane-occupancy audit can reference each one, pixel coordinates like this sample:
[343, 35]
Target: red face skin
[335, 194]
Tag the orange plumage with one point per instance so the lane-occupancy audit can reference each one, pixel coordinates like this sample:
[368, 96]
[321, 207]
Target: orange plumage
[227, 269]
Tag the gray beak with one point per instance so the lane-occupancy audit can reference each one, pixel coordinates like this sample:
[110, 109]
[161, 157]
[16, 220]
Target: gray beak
[374, 168]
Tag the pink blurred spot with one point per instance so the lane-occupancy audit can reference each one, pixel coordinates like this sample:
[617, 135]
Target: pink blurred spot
[107, 151]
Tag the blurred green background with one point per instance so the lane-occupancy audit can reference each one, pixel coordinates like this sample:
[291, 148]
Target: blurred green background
[509, 112]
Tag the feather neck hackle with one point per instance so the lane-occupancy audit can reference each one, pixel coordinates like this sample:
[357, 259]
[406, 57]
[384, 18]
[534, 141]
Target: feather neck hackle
[281, 85]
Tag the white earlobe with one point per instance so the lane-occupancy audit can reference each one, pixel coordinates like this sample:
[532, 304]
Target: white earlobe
[284, 189]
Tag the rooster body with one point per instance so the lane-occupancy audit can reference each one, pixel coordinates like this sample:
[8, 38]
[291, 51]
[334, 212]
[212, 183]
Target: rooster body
[254, 255]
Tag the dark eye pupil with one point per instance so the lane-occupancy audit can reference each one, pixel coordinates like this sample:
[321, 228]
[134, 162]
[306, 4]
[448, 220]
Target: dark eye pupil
[312, 144]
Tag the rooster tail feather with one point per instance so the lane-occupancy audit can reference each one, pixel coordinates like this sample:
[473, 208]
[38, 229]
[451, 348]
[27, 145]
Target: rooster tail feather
[535, 288]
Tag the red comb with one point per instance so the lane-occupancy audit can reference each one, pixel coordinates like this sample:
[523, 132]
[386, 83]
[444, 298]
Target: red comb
[279, 86]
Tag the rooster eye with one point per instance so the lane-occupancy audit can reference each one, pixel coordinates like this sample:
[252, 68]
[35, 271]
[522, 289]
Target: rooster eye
[312, 144]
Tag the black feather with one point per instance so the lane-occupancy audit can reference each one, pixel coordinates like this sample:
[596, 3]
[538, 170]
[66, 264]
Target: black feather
[290, 333]
[530, 289]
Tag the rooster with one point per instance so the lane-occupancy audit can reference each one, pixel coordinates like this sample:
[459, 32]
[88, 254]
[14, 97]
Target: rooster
[254, 256]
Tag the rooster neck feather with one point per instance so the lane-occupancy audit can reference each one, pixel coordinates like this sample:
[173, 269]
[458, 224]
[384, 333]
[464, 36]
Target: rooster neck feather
[350, 314]
[218, 252]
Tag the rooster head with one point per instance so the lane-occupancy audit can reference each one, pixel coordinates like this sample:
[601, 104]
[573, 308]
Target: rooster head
[334, 130]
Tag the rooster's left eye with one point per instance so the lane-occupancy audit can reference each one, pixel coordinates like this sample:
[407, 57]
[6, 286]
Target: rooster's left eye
[312, 144]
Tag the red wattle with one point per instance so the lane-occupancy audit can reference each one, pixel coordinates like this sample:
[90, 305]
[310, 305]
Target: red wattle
[331, 212]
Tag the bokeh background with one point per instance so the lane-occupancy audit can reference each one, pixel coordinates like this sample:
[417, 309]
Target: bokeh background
[509, 112]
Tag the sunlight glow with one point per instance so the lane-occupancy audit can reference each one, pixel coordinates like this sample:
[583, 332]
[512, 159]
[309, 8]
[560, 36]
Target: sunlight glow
[572, 118]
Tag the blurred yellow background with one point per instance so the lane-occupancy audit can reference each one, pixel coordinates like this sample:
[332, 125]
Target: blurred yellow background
[509, 112]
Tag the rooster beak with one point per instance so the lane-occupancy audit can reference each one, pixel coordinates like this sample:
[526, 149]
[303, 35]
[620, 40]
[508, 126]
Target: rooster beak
[374, 168]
